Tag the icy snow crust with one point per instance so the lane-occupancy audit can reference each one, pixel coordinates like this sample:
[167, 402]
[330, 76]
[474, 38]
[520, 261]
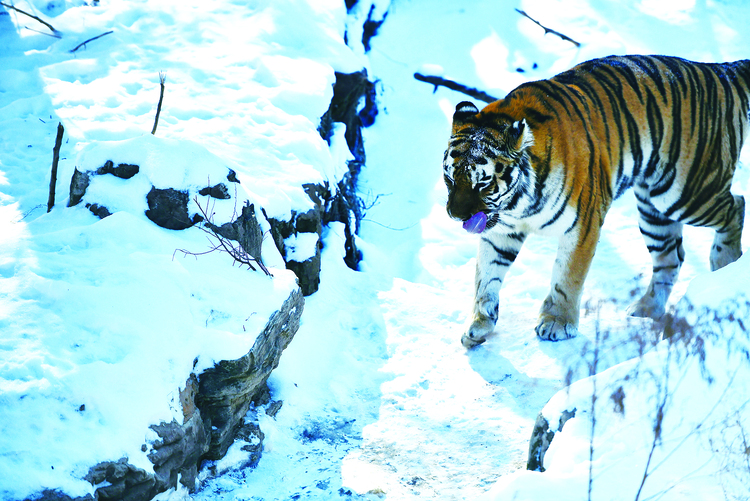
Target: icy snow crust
[101, 321]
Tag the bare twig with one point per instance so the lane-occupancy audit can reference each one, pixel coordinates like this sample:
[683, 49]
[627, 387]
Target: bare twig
[686, 342]
[222, 244]
[593, 369]
[745, 444]
[700, 423]
[83, 44]
[658, 421]
[162, 80]
[55, 160]
[390, 227]
[28, 213]
[52, 28]
[437, 81]
[548, 30]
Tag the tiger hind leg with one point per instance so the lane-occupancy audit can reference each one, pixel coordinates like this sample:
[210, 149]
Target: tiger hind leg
[664, 241]
[727, 246]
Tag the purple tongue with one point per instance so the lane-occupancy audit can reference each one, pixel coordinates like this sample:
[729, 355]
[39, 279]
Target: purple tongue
[476, 223]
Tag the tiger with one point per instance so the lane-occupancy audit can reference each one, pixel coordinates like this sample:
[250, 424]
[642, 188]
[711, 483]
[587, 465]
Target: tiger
[552, 155]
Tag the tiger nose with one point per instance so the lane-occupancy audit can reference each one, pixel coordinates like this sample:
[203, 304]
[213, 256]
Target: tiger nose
[459, 208]
[452, 214]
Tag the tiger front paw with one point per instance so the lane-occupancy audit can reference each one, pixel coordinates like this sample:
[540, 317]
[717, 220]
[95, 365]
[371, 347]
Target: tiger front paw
[477, 333]
[552, 328]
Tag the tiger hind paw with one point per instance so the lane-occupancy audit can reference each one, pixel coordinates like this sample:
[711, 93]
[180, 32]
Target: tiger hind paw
[646, 307]
[555, 329]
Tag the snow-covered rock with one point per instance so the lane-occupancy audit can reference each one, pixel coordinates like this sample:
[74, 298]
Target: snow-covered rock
[144, 368]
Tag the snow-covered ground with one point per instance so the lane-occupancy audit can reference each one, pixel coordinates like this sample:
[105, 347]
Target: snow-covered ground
[380, 398]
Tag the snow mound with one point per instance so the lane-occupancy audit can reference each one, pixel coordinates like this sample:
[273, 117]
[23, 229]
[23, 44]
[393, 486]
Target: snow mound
[667, 422]
[108, 319]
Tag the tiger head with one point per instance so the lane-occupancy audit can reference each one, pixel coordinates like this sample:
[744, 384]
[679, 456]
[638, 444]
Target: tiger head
[486, 166]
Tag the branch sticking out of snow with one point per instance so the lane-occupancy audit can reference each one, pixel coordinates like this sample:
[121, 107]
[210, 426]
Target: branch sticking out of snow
[548, 30]
[55, 160]
[52, 28]
[220, 242]
[83, 44]
[162, 80]
[469, 91]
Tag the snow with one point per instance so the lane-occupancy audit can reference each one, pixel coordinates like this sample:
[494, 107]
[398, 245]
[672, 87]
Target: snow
[102, 320]
[704, 402]
[301, 247]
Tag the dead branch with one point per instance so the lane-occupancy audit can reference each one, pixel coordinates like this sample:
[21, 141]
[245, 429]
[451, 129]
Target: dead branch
[548, 30]
[55, 160]
[52, 28]
[438, 81]
[162, 80]
[83, 44]
[223, 244]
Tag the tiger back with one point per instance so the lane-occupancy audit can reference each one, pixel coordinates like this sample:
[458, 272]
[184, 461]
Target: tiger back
[552, 155]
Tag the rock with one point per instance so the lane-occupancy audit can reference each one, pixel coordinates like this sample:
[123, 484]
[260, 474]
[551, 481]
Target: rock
[124, 482]
[123, 171]
[348, 90]
[539, 443]
[314, 220]
[541, 437]
[98, 210]
[181, 446]
[227, 390]
[370, 28]
[346, 207]
[215, 402]
[308, 273]
[168, 208]
[78, 184]
[281, 230]
[253, 436]
[218, 191]
[249, 232]
[214, 405]
[244, 230]
[308, 270]
[274, 408]
[180, 451]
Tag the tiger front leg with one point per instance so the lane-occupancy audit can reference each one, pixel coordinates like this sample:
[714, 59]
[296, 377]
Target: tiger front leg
[495, 255]
[558, 317]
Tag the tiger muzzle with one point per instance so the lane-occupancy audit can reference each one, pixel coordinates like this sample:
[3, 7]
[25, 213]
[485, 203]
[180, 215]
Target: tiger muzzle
[463, 204]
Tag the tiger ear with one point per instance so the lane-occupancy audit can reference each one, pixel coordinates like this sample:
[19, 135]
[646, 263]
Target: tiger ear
[520, 135]
[464, 110]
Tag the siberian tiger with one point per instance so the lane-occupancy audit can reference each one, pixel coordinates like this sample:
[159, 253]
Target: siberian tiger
[552, 155]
